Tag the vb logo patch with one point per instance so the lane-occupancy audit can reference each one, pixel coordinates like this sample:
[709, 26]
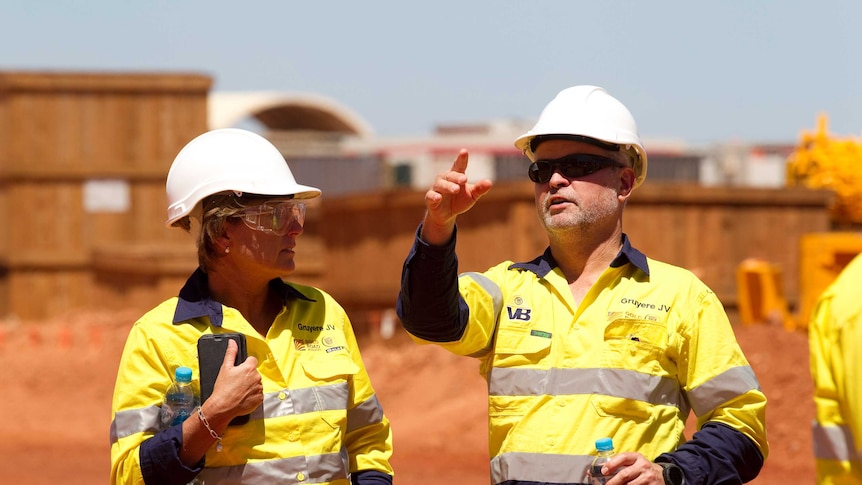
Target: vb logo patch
[522, 314]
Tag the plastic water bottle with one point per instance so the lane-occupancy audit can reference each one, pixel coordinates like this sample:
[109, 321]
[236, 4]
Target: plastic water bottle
[179, 401]
[604, 452]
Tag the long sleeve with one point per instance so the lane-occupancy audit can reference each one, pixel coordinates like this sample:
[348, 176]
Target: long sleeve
[371, 478]
[160, 459]
[717, 454]
[730, 446]
[138, 451]
[368, 437]
[833, 346]
[429, 304]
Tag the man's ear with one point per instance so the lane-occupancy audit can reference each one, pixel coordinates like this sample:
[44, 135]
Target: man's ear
[627, 181]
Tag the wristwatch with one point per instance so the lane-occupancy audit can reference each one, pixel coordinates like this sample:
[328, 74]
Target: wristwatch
[672, 474]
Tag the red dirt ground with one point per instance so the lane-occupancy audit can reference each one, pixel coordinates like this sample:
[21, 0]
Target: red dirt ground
[58, 379]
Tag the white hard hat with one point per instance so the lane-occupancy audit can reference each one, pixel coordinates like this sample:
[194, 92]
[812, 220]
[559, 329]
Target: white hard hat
[228, 159]
[590, 112]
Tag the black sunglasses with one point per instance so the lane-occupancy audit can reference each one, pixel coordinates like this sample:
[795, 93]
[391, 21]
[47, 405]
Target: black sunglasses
[571, 166]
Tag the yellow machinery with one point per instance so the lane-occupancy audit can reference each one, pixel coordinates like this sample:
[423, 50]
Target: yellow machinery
[823, 256]
[824, 162]
[819, 162]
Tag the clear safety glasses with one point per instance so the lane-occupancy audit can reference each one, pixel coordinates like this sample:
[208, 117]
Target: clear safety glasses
[571, 166]
[273, 217]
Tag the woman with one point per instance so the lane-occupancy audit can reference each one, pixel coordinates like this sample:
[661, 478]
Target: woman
[314, 415]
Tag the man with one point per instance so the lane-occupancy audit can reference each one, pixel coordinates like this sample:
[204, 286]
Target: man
[835, 337]
[592, 338]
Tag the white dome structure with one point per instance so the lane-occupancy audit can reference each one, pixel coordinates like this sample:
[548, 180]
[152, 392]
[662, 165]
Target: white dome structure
[285, 111]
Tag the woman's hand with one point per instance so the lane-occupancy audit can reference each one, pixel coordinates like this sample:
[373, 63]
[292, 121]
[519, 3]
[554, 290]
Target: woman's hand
[238, 390]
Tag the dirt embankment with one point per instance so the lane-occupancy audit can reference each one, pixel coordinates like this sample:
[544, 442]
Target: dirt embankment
[58, 378]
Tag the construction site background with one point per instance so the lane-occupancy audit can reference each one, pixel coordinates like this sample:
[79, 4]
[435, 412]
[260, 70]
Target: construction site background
[83, 161]
[84, 156]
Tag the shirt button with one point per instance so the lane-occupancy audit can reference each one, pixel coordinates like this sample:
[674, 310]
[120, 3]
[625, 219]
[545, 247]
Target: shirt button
[300, 476]
[282, 396]
[293, 436]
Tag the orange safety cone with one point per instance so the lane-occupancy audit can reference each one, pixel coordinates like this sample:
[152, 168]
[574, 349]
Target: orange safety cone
[64, 337]
[95, 336]
[34, 336]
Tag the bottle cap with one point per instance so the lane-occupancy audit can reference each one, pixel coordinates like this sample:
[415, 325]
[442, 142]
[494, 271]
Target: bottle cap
[183, 374]
[604, 444]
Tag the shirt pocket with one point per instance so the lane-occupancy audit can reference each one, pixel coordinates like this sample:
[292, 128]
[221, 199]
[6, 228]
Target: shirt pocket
[331, 377]
[329, 368]
[635, 347]
[638, 345]
[520, 346]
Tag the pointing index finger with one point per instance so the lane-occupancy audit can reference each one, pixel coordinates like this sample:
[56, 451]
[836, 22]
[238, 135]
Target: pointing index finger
[460, 163]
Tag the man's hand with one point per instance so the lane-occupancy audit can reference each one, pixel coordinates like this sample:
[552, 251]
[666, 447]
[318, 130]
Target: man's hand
[633, 468]
[449, 196]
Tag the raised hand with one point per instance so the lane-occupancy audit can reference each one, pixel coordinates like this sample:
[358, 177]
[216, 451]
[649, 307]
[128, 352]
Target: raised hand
[449, 196]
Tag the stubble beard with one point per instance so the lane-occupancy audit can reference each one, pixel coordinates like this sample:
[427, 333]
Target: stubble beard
[578, 218]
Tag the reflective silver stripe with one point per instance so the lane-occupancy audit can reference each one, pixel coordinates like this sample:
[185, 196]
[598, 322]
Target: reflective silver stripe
[539, 467]
[316, 469]
[505, 381]
[275, 404]
[131, 421]
[493, 290]
[366, 413]
[728, 385]
[321, 398]
[306, 400]
[833, 443]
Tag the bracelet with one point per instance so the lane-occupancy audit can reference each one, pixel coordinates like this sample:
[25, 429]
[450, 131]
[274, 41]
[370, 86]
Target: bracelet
[212, 431]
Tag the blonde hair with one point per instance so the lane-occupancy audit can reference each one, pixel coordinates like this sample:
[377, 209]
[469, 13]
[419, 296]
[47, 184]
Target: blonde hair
[216, 210]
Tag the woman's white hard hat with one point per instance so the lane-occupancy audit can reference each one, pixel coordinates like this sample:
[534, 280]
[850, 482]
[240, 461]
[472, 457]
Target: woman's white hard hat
[228, 160]
[589, 111]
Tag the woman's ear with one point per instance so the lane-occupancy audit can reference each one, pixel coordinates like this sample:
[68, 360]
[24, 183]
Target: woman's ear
[221, 241]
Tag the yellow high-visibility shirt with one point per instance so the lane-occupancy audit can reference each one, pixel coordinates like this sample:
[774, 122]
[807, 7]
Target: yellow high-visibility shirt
[320, 419]
[835, 338]
[648, 344]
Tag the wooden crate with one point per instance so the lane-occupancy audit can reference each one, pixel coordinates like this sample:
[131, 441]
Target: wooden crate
[83, 162]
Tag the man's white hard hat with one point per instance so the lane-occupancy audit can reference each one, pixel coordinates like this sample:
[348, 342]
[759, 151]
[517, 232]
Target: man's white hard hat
[592, 113]
[228, 160]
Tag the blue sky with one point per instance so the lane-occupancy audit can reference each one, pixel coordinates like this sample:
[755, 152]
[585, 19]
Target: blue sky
[701, 72]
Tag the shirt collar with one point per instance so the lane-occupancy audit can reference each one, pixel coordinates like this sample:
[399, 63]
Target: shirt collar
[195, 300]
[545, 263]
